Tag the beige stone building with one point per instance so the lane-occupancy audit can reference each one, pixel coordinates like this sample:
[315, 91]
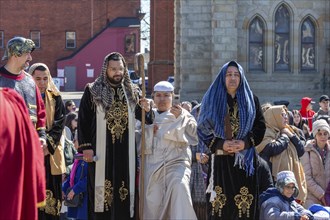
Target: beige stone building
[283, 46]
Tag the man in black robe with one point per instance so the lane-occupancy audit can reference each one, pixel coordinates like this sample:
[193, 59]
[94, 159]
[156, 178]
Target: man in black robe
[106, 130]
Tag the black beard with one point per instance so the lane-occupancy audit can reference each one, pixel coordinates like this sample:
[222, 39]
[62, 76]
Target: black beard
[115, 82]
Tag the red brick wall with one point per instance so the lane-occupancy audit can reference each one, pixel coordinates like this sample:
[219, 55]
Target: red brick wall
[161, 41]
[53, 18]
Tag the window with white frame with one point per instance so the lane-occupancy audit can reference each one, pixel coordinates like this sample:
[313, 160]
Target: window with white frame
[256, 45]
[307, 45]
[2, 44]
[282, 39]
[70, 39]
[35, 37]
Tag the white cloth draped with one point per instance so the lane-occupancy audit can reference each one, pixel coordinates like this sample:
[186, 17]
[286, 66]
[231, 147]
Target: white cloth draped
[167, 167]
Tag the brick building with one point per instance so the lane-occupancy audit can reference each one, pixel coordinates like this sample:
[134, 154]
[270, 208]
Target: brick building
[62, 28]
[161, 64]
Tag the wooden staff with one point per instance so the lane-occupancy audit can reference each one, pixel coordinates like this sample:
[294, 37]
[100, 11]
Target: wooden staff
[139, 68]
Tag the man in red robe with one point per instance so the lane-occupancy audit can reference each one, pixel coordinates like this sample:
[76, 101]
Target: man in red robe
[22, 174]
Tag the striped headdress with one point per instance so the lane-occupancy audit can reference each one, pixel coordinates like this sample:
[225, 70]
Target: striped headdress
[214, 104]
[214, 109]
[101, 87]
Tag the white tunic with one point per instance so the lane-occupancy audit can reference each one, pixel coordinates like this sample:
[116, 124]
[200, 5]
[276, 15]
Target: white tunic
[167, 167]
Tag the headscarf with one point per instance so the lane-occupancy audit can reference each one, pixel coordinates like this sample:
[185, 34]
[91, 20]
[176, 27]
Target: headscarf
[51, 85]
[214, 104]
[101, 87]
[287, 159]
[50, 91]
[274, 125]
[214, 109]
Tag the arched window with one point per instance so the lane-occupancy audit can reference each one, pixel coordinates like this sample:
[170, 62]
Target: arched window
[282, 39]
[307, 45]
[256, 45]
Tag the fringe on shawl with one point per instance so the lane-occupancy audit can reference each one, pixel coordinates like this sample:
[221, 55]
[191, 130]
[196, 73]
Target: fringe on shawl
[214, 110]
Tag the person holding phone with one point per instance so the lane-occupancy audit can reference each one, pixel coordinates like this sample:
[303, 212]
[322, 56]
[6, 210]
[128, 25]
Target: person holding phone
[168, 157]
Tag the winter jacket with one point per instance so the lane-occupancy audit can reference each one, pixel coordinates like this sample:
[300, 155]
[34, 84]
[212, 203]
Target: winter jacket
[280, 151]
[275, 206]
[317, 174]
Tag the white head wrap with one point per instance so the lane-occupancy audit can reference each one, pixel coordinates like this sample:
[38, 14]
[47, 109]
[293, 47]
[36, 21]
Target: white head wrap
[163, 86]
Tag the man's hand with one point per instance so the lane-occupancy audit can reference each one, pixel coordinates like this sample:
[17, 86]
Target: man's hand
[44, 147]
[202, 158]
[145, 104]
[43, 142]
[176, 110]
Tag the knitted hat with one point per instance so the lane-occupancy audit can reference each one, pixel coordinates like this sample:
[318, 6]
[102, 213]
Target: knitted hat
[320, 124]
[284, 178]
[163, 86]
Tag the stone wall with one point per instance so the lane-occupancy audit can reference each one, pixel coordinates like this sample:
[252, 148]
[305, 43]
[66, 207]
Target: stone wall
[211, 33]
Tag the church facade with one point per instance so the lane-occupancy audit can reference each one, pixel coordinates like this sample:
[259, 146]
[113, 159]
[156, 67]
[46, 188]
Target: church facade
[283, 46]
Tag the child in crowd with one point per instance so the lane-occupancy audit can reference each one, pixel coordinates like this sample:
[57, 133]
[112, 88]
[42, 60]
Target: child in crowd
[77, 181]
[279, 202]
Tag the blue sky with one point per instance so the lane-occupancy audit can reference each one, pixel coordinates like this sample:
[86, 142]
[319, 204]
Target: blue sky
[145, 30]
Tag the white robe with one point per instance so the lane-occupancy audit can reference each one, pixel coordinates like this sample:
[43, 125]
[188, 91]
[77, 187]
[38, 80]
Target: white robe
[167, 167]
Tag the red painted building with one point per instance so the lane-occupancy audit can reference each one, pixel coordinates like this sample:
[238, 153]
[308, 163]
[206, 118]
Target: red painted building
[63, 29]
[84, 65]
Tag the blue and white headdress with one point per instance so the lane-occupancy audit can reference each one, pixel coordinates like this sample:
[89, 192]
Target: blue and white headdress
[214, 109]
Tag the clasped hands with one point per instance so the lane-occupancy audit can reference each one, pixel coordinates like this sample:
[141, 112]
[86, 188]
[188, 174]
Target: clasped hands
[233, 146]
